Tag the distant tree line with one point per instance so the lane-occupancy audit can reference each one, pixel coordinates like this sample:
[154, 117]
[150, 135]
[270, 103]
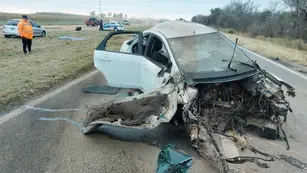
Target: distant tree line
[117, 16]
[272, 22]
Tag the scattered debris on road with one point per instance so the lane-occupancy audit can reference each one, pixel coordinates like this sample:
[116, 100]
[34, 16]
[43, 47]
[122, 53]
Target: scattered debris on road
[70, 38]
[171, 159]
[209, 84]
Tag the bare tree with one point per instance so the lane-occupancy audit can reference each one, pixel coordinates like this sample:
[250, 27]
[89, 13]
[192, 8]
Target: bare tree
[272, 22]
[102, 15]
[120, 16]
[93, 14]
[299, 10]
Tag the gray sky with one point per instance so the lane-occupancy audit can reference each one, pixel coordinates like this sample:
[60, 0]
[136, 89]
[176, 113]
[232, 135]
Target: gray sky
[139, 8]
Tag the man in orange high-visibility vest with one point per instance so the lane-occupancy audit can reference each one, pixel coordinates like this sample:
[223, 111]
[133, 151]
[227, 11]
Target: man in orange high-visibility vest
[26, 33]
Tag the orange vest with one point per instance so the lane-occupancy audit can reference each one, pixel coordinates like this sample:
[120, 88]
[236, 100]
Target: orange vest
[25, 29]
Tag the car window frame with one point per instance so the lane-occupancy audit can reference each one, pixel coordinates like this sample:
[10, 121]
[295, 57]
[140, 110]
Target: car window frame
[151, 35]
[12, 22]
[103, 43]
[34, 24]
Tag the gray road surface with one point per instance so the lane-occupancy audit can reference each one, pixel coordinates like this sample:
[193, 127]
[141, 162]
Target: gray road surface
[29, 145]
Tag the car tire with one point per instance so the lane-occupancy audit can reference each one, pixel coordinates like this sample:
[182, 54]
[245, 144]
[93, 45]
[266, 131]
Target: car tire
[87, 25]
[43, 34]
[7, 36]
[93, 25]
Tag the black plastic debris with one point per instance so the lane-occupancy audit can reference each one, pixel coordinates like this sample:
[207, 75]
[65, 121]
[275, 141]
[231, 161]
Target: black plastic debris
[293, 161]
[171, 160]
[78, 28]
[97, 89]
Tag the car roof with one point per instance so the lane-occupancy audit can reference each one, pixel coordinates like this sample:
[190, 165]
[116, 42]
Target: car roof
[172, 29]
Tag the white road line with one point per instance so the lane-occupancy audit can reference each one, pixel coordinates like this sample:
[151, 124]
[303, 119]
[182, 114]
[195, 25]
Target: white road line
[21, 110]
[277, 64]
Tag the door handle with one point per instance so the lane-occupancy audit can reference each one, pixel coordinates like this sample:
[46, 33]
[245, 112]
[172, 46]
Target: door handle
[105, 59]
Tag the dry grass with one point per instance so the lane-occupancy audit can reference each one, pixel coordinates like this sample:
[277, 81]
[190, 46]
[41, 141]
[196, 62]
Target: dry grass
[287, 42]
[51, 62]
[273, 48]
[47, 19]
[291, 43]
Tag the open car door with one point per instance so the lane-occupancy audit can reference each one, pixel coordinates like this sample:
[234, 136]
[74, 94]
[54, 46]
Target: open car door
[121, 69]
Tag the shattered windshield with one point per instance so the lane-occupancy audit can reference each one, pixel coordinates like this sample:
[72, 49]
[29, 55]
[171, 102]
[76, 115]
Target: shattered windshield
[207, 52]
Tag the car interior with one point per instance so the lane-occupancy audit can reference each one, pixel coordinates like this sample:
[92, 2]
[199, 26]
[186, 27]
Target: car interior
[156, 50]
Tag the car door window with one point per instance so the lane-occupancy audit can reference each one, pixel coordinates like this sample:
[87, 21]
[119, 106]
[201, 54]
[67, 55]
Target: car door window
[12, 22]
[144, 44]
[33, 24]
[120, 43]
[156, 51]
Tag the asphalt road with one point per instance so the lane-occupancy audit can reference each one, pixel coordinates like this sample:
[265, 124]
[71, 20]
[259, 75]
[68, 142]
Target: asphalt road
[295, 127]
[30, 145]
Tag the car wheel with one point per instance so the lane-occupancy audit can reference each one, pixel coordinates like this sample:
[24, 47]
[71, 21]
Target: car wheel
[87, 25]
[43, 34]
[93, 25]
[7, 36]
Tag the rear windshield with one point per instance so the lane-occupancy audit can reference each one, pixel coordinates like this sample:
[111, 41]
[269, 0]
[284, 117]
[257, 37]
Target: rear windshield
[12, 22]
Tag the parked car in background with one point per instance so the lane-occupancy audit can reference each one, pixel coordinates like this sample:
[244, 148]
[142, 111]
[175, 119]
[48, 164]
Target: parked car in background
[92, 21]
[11, 29]
[113, 26]
[126, 22]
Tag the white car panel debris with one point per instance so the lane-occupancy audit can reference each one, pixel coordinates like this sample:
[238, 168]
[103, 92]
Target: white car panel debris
[192, 73]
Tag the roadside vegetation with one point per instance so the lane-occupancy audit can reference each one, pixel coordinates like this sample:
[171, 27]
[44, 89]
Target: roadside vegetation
[49, 18]
[51, 63]
[277, 32]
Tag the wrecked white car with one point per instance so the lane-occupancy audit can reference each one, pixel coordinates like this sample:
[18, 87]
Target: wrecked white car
[190, 72]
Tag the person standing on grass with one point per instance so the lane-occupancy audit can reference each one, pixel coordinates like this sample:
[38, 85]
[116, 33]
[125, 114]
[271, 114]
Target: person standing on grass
[26, 33]
[100, 25]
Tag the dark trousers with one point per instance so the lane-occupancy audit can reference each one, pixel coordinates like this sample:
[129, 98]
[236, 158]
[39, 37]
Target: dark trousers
[26, 43]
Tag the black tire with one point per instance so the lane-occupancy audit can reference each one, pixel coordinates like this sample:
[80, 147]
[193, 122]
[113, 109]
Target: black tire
[93, 24]
[7, 36]
[43, 34]
[87, 25]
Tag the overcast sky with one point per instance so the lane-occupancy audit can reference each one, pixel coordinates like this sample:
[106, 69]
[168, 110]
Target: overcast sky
[139, 8]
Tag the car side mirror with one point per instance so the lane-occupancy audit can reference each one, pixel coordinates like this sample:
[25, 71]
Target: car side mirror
[38, 26]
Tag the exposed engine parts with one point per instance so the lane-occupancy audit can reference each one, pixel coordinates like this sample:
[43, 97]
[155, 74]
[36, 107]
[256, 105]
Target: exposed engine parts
[228, 108]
